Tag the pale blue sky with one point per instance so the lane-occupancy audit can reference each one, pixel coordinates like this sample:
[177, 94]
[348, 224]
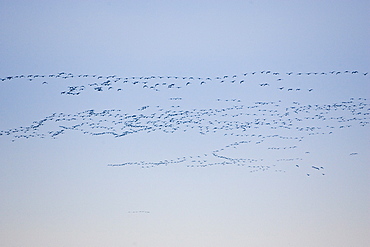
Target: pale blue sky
[60, 192]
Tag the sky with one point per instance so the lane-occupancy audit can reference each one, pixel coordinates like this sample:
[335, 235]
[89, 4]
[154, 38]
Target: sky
[184, 123]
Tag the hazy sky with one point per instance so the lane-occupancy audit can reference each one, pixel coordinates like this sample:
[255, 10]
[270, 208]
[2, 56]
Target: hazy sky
[214, 123]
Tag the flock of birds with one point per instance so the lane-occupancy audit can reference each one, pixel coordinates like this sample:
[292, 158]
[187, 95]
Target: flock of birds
[260, 124]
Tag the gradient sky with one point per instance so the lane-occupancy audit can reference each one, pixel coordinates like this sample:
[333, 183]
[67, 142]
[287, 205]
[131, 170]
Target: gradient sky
[61, 192]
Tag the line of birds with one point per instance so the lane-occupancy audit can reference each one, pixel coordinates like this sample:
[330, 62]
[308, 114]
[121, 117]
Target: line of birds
[65, 75]
[139, 212]
[116, 83]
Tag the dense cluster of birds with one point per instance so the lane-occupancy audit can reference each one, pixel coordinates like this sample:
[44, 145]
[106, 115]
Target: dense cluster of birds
[237, 120]
[102, 83]
[255, 124]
